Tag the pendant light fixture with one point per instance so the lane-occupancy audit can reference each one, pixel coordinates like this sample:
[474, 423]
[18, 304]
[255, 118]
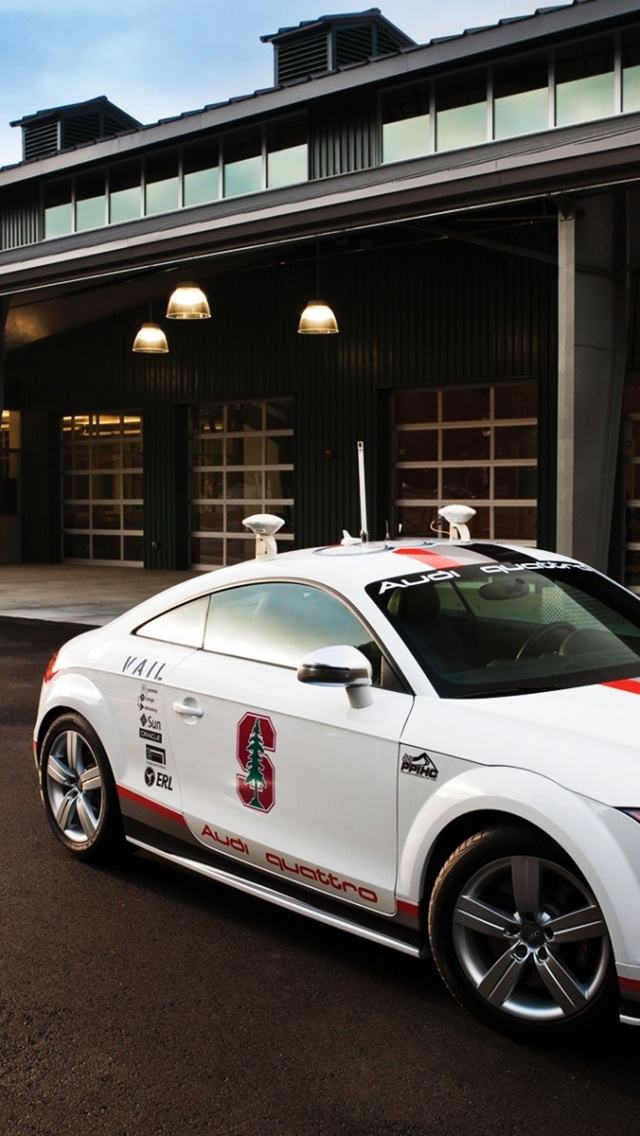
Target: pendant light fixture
[151, 339]
[188, 302]
[317, 318]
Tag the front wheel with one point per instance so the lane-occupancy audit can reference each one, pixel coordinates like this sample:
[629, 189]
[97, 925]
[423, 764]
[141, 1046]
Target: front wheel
[79, 792]
[518, 937]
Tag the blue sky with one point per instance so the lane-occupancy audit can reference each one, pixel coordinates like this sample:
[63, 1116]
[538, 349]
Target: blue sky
[157, 58]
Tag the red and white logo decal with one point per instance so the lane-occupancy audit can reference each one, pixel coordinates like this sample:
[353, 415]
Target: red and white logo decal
[256, 784]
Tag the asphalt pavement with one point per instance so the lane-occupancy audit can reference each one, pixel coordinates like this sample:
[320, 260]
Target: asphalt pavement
[143, 1002]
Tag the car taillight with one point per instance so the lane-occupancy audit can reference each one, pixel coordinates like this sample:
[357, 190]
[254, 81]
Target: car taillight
[52, 668]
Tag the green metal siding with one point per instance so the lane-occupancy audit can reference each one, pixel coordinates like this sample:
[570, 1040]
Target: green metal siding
[343, 135]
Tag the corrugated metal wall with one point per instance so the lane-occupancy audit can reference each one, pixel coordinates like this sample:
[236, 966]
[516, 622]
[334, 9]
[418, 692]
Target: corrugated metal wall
[20, 220]
[430, 313]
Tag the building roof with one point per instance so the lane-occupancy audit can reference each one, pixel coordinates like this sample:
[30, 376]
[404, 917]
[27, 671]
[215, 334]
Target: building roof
[100, 102]
[371, 15]
[511, 33]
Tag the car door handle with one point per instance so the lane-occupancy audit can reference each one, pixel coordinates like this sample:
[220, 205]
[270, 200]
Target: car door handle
[188, 709]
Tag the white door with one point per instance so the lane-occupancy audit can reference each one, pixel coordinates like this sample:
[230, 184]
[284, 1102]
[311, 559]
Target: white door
[281, 775]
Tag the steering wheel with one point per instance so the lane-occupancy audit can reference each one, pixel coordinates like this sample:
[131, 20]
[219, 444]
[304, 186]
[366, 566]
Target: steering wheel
[546, 640]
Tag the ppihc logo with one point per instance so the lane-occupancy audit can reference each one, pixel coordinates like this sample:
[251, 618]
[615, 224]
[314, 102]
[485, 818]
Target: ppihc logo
[420, 766]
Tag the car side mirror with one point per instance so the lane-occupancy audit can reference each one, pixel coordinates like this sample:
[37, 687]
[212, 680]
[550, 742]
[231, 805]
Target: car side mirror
[339, 666]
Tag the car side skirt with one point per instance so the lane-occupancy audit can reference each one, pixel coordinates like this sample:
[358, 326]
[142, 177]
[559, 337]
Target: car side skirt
[166, 846]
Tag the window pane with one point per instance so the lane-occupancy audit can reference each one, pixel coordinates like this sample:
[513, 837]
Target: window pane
[106, 548]
[521, 94]
[461, 111]
[184, 624]
[106, 516]
[287, 167]
[201, 186]
[125, 193]
[416, 406]
[465, 404]
[287, 154]
[419, 483]
[91, 202]
[279, 415]
[133, 549]
[279, 486]
[405, 124]
[515, 481]
[206, 552]
[279, 623]
[161, 184]
[201, 179]
[516, 400]
[58, 216]
[584, 82]
[515, 442]
[416, 445]
[631, 72]
[243, 164]
[278, 451]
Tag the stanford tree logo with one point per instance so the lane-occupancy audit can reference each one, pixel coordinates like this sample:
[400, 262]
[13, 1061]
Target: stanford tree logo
[256, 783]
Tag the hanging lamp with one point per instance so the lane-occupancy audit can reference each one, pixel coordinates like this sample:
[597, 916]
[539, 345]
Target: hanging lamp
[188, 302]
[317, 318]
[151, 339]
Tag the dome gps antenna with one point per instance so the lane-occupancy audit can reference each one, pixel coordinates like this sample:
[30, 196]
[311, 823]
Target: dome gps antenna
[265, 526]
[457, 517]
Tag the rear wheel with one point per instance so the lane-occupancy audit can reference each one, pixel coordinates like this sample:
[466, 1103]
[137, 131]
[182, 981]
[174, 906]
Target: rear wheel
[79, 792]
[519, 938]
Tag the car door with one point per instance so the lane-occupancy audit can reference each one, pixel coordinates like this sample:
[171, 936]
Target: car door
[280, 775]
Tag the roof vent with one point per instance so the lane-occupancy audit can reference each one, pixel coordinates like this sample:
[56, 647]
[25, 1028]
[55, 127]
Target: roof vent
[50, 131]
[318, 46]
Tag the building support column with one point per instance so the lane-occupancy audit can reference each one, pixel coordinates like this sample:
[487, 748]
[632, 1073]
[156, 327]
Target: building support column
[4, 310]
[592, 323]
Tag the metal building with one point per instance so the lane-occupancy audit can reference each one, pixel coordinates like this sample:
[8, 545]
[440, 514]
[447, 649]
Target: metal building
[467, 208]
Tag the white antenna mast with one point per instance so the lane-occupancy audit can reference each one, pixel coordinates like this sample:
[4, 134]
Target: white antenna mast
[364, 527]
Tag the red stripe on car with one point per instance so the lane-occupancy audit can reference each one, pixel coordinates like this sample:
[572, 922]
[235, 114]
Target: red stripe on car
[629, 986]
[154, 806]
[631, 685]
[425, 556]
[406, 908]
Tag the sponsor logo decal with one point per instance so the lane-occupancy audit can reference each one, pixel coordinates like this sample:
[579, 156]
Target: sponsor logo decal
[533, 566]
[147, 698]
[256, 739]
[143, 668]
[150, 735]
[155, 755]
[233, 842]
[320, 876]
[415, 581]
[150, 724]
[159, 778]
[420, 766]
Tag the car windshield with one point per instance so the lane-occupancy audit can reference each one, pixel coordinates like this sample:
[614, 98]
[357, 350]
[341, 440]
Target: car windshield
[514, 627]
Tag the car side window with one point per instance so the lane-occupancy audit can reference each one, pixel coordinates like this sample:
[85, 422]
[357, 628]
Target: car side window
[183, 625]
[280, 623]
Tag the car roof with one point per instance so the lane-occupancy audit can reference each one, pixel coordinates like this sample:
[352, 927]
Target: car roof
[348, 566]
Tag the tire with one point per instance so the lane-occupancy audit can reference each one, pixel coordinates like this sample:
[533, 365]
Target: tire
[79, 791]
[519, 939]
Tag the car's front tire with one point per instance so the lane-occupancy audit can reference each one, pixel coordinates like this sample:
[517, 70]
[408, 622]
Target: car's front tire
[79, 792]
[519, 938]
